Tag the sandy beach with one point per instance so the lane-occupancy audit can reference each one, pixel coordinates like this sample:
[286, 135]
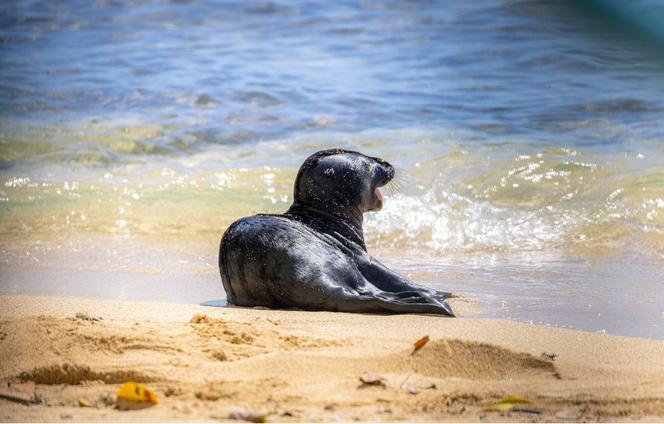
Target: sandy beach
[208, 363]
[525, 143]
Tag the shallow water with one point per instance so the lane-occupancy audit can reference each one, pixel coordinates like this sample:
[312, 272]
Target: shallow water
[528, 137]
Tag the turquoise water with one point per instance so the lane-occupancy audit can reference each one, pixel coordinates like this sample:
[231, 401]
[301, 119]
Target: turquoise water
[528, 135]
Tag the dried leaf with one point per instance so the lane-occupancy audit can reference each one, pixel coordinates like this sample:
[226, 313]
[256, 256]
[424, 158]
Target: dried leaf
[567, 415]
[420, 344]
[252, 417]
[372, 380]
[84, 316]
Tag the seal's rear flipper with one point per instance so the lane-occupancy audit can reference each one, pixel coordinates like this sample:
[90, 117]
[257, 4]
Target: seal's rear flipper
[389, 302]
[417, 299]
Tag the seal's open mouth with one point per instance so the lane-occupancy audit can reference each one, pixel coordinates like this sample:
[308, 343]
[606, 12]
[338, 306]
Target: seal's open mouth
[379, 195]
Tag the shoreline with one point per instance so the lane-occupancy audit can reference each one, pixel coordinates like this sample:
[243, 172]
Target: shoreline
[207, 363]
[550, 305]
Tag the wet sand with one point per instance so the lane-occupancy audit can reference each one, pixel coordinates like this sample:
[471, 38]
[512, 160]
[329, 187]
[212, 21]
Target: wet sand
[207, 363]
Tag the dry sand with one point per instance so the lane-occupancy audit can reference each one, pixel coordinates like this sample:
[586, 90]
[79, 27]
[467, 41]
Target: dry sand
[206, 363]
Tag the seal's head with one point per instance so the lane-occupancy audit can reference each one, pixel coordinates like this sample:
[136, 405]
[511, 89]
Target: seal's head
[342, 182]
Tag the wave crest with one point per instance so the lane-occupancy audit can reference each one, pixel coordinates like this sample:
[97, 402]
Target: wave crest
[446, 221]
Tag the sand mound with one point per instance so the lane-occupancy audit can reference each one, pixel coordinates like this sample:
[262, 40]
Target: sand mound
[457, 358]
[33, 345]
[438, 360]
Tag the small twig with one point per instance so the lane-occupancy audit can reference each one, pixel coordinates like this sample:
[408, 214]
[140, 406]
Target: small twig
[527, 409]
[404, 381]
[20, 399]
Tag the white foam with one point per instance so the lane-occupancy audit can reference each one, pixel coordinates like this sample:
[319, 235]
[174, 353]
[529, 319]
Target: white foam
[446, 222]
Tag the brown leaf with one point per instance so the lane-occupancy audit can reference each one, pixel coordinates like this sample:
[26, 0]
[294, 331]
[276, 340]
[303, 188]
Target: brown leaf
[252, 417]
[420, 344]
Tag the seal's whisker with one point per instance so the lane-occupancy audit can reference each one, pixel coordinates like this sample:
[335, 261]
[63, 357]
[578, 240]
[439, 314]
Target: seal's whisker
[396, 185]
[400, 170]
[399, 178]
[400, 181]
[403, 178]
[401, 174]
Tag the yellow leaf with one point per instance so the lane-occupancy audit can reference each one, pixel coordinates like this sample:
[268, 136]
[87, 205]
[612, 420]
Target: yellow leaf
[504, 407]
[513, 399]
[507, 403]
[136, 393]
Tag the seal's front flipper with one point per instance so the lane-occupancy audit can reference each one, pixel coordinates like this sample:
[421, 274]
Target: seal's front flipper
[385, 279]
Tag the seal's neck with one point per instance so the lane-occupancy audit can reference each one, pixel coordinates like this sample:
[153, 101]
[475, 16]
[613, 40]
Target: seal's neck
[348, 225]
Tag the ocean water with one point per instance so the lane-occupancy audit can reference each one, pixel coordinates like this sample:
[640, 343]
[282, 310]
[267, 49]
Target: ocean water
[528, 137]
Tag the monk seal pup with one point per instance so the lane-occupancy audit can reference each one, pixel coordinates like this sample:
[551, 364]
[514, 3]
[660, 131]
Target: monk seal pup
[313, 257]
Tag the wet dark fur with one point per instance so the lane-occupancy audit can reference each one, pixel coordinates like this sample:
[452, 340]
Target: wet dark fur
[313, 257]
